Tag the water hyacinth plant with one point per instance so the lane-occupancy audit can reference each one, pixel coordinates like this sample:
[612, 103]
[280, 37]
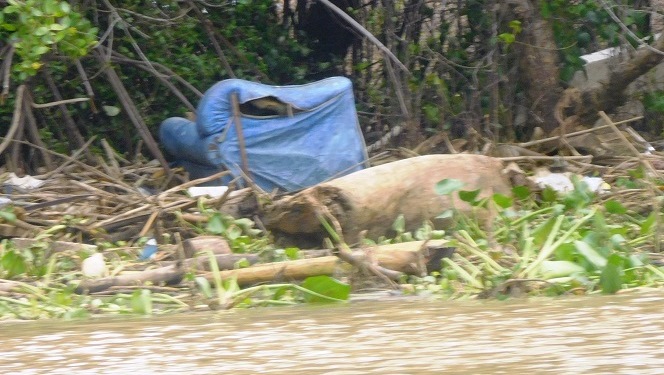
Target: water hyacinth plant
[560, 243]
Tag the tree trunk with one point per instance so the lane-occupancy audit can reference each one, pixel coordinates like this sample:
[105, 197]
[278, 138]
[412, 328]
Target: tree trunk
[603, 96]
[539, 63]
[550, 105]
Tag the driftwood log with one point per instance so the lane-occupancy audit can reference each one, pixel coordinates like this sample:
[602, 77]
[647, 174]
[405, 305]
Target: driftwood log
[170, 274]
[409, 258]
[370, 200]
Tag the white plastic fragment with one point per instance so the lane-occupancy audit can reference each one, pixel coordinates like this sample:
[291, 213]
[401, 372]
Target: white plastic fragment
[211, 191]
[556, 181]
[562, 182]
[27, 182]
[4, 201]
[94, 266]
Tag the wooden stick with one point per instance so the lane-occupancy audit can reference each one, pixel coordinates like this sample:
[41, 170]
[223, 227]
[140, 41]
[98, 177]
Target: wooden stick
[33, 131]
[77, 140]
[580, 132]
[132, 111]
[544, 157]
[628, 144]
[149, 223]
[110, 155]
[16, 119]
[86, 84]
[355, 25]
[59, 102]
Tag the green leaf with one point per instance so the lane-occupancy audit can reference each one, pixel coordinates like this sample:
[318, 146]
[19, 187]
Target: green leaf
[647, 224]
[521, 192]
[40, 50]
[233, 232]
[65, 7]
[65, 22]
[111, 111]
[292, 253]
[618, 240]
[566, 251]
[8, 216]
[614, 207]
[242, 263]
[216, 224]
[41, 30]
[10, 9]
[515, 25]
[559, 268]
[141, 302]
[59, 36]
[36, 12]
[636, 260]
[49, 6]
[204, 286]
[9, 27]
[13, 264]
[591, 255]
[447, 214]
[502, 201]
[541, 233]
[326, 286]
[469, 195]
[431, 112]
[611, 278]
[399, 224]
[507, 38]
[549, 194]
[448, 186]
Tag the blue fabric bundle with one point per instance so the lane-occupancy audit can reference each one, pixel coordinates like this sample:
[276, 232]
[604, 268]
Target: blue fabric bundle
[321, 138]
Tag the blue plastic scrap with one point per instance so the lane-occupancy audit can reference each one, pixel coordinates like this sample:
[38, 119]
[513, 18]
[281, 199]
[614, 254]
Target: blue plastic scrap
[317, 140]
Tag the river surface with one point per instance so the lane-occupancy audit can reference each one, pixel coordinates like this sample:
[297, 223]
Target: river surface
[621, 334]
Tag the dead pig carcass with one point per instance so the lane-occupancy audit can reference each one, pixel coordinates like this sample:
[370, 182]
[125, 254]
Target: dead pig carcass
[370, 200]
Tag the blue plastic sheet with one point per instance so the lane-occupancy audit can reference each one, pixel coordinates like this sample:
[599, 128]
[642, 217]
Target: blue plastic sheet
[320, 140]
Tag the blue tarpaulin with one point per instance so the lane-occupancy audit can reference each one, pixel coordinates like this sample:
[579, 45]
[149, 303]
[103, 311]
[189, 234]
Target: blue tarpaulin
[317, 140]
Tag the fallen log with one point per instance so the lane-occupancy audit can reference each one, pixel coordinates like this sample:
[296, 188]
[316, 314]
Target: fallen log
[224, 261]
[170, 273]
[408, 258]
[53, 246]
[370, 200]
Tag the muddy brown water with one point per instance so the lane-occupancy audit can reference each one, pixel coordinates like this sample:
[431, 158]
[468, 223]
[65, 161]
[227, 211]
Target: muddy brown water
[621, 334]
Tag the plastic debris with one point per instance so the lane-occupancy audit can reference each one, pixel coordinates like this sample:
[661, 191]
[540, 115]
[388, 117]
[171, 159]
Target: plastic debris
[94, 266]
[562, 182]
[4, 201]
[26, 183]
[211, 191]
[556, 181]
[149, 250]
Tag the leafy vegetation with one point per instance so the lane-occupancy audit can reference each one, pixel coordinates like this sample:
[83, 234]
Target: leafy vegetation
[557, 244]
[37, 27]
[545, 243]
[463, 74]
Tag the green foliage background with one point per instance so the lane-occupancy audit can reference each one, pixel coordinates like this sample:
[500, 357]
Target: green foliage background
[462, 58]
